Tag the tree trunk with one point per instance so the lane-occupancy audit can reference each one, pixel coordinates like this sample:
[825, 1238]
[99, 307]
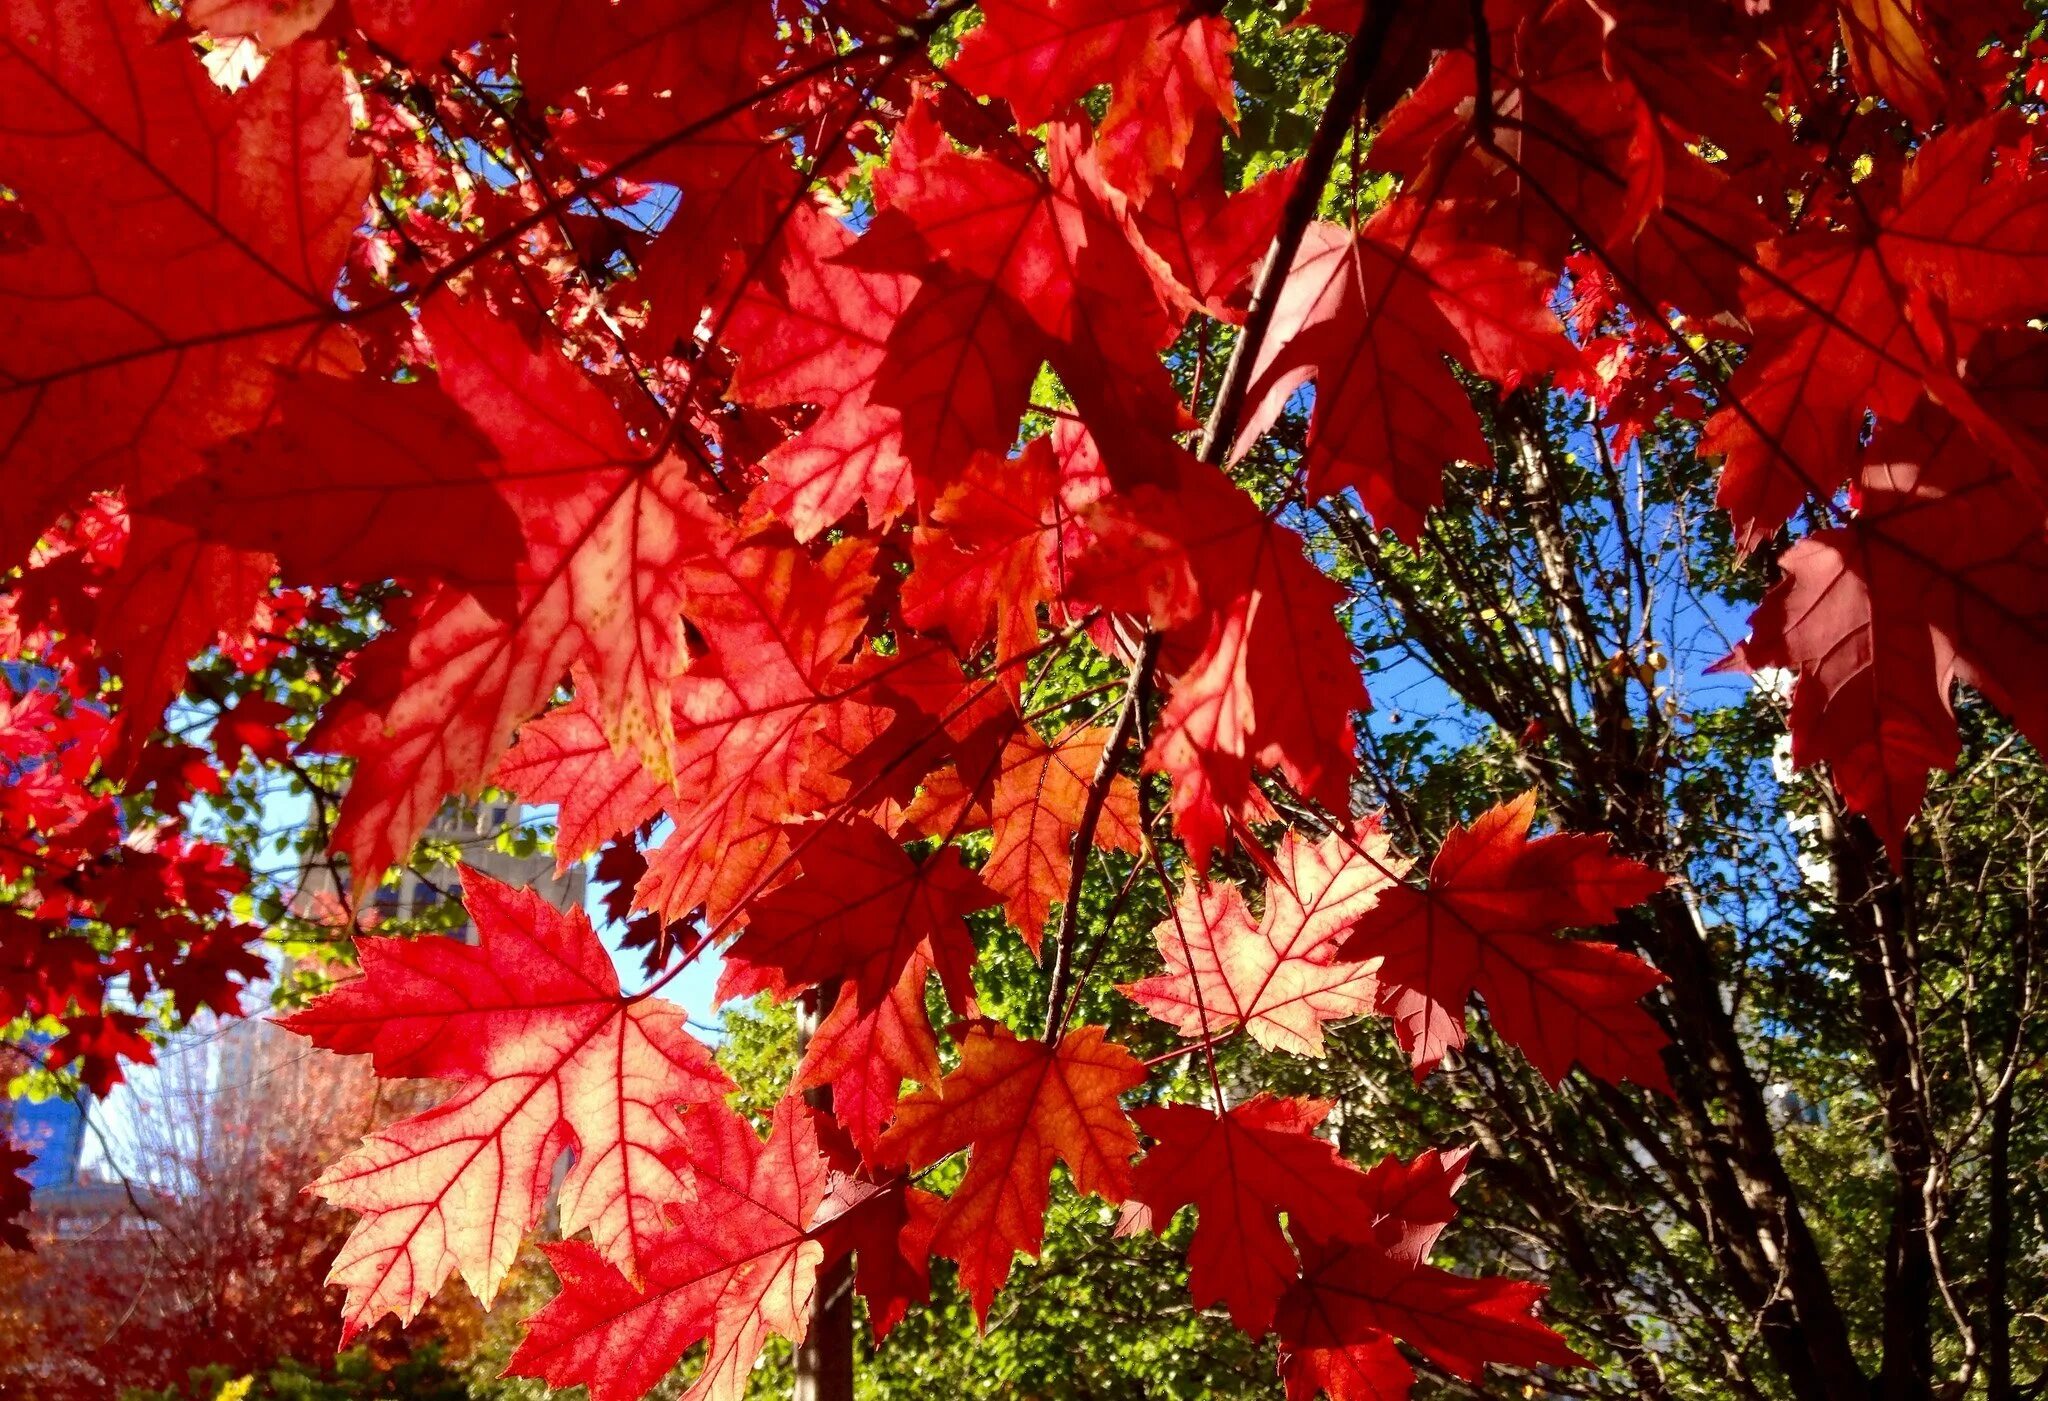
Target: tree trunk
[1872, 906]
[824, 1361]
[824, 1364]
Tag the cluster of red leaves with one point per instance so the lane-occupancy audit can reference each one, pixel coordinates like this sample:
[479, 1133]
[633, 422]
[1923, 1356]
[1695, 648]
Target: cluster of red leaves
[106, 906]
[551, 313]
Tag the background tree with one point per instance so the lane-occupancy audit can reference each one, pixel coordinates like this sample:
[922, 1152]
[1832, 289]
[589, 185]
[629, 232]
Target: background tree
[202, 1252]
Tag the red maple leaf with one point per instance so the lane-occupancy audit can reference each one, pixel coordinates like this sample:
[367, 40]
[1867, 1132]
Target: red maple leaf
[755, 718]
[122, 369]
[1168, 68]
[1939, 577]
[990, 552]
[859, 913]
[818, 332]
[734, 1264]
[1582, 151]
[865, 920]
[356, 479]
[1263, 672]
[1209, 240]
[423, 31]
[546, 1053]
[1340, 1322]
[1059, 247]
[888, 1227]
[600, 581]
[1040, 792]
[865, 1051]
[660, 91]
[1240, 1170]
[1371, 317]
[566, 760]
[98, 1043]
[1277, 977]
[1870, 317]
[1017, 1106]
[254, 727]
[172, 597]
[148, 190]
[1488, 922]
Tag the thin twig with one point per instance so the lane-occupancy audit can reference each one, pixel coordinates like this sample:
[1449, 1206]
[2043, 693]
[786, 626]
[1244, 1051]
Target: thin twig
[1084, 832]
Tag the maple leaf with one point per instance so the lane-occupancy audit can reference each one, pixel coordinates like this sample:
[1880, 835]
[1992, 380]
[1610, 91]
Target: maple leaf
[989, 552]
[1209, 240]
[254, 727]
[940, 723]
[756, 719]
[356, 479]
[888, 1227]
[1057, 246]
[1040, 793]
[636, 75]
[1338, 1323]
[735, 1264]
[565, 760]
[2005, 404]
[1372, 317]
[1277, 977]
[1939, 577]
[1868, 318]
[660, 90]
[98, 1043]
[912, 367]
[1581, 154]
[172, 597]
[1892, 55]
[1017, 1106]
[860, 912]
[1269, 681]
[1168, 68]
[1240, 1169]
[546, 1053]
[601, 518]
[864, 1052]
[818, 332]
[1488, 922]
[863, 917]
[148, 190]
[600, 581]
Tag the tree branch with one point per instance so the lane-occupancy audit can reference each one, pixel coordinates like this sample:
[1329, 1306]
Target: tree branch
[1360, 62]
[1084, 833]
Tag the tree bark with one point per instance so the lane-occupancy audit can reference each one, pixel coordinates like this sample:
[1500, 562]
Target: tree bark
[1872, 906]
[824, 1363]
[824, 1360]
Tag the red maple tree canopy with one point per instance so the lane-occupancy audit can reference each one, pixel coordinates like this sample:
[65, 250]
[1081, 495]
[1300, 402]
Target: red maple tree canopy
[857, 463]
